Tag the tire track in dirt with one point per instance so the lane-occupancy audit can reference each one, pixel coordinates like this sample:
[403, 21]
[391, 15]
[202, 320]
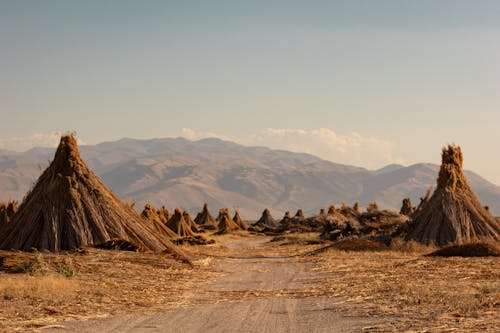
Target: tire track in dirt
[257, 293]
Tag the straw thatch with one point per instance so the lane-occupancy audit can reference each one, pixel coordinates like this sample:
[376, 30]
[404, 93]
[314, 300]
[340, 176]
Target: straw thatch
[237, 219]
[205, 219]
[299, 214]
[287, 218]
[164, 214]
[453, 214]
[70, 207]
[7, 211]
[266, 220]
[178, 225]
[190, 221]
[149, 214]
[226, 223]
[332, 210]
[406, 208]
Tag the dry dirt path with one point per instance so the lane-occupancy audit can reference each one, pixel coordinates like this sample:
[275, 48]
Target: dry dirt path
[259, 290]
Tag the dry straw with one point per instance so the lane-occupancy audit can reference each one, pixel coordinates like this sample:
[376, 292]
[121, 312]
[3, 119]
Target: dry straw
[453, 214]
[70, 207]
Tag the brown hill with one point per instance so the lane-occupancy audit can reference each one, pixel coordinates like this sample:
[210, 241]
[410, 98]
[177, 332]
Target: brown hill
[70, 207]
[453, 214]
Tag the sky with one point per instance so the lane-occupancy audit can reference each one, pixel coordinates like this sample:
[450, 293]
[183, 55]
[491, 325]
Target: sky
[366, 83]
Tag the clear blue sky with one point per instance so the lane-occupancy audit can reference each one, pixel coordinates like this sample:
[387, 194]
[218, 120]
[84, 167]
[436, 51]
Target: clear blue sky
[415, 74]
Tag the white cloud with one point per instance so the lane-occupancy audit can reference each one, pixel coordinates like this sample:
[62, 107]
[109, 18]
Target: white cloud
[50, 139]
[352, 149]
[193, 135]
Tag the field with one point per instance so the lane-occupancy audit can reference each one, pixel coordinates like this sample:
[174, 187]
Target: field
[250, 283]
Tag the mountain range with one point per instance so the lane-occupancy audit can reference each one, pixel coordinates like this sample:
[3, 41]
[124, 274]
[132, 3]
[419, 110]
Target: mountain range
[182, 173]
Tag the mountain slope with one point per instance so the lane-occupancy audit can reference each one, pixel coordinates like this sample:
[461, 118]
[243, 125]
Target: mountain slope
[178, 172]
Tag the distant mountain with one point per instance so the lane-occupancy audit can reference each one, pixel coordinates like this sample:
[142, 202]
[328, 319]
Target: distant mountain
[181, 173]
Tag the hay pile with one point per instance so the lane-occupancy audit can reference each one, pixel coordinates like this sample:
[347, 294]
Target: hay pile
[266, 220]
[453, 214]
[226, 223]
[70, 207]
[237, 219]
[205, 219]
[155, 221]
[179, 226]
[190, 221]
[7, 211]
[164, 214]
[406, 208]
[474, 249]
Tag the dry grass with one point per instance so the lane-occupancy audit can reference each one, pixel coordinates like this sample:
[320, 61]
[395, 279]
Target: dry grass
[40, 288]
[53, 288]
[416, 293]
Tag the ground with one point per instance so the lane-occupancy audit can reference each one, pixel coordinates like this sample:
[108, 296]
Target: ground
[252, 284]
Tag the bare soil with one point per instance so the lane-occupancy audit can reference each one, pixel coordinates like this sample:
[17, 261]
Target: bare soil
[250, 284]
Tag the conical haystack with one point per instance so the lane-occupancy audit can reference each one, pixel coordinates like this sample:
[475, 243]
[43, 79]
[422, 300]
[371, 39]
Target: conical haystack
[178, 225]
[266, 220]
[164, 214]
[190, 221]
[226, 223]
[204, 218]
[406, 208]
[149, 214]
[70, 207]
[453, 214]
[237, 219]
[299, 215]
[7, 211]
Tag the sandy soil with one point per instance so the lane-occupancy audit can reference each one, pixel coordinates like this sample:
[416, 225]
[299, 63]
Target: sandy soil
[261, 289]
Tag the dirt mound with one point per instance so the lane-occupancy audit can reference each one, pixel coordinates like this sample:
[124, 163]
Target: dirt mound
[205, 219]
[178, 225]
[266, 220]
[474, 249]
[237, 219]
[453, 214]
[121, 245]
[70, 207]
[226, 223]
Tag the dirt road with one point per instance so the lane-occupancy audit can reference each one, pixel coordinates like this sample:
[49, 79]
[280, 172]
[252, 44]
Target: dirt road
[260, 290]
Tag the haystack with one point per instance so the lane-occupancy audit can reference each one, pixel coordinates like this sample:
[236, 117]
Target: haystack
[237, 219]
[204, 218]
[70, 207]
[149, 214]
[190, 221]
[287, 218]
[406, 208]
[266, 220]
[226, 223]
[299, 215]
[7, 211]
[453, 214]
[178, 225]
[164, 214]
[332, 210]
